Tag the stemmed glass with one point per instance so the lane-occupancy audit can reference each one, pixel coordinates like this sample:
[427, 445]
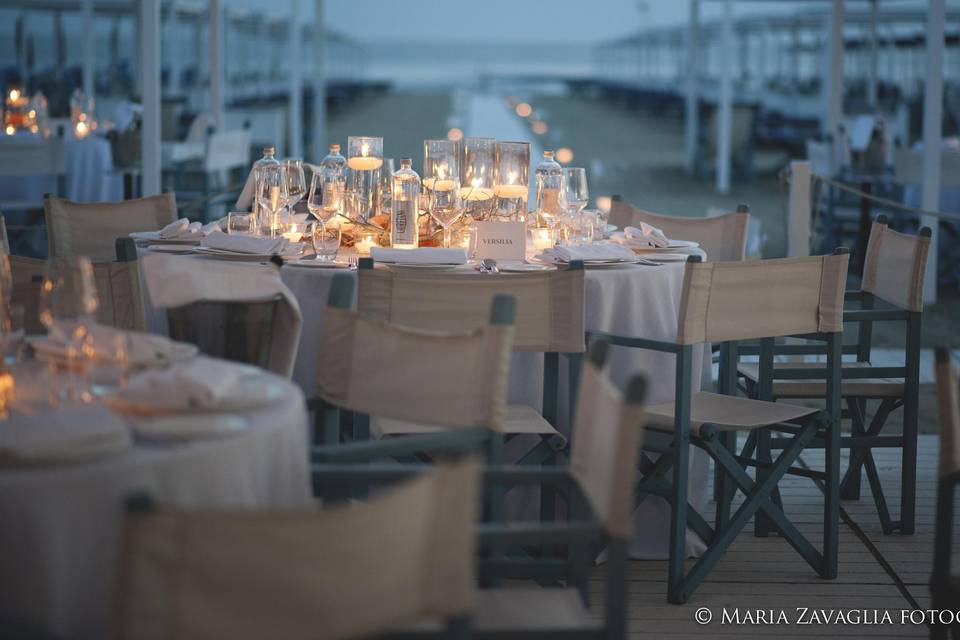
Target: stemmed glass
[68, 307]
[296, 182]
[574, 194]
[325, 199]
[272, 193]
[441, 180]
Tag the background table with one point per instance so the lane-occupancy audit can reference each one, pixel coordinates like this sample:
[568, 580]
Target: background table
[60, 526]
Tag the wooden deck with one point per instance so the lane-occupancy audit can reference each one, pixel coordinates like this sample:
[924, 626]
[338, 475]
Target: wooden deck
[877, 572]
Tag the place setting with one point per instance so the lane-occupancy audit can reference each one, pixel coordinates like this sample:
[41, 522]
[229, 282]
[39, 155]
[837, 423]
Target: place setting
[651, 243]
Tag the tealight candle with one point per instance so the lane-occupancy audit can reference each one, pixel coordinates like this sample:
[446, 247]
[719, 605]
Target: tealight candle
[512, 190]
[542, 238]
[366, 243]
[439, 184]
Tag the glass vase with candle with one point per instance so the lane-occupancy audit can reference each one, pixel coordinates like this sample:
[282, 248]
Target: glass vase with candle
[386, 187]
[512, 180]
[82, 114]
[476, 177]
[364, 160]
[15, 114]
[405, 202]
[441, 180]
[271, 196]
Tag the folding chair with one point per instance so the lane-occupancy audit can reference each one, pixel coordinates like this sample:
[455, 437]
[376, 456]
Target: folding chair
[118, 287]
[89, 229]
[722, 237]
[598, 483]
[404, 557]
[944, 586]
[893, 276]
[726, 302]
[549, 320]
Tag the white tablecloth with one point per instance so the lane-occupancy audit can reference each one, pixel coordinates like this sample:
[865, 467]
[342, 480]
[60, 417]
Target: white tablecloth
[89, 176]
[60, 526]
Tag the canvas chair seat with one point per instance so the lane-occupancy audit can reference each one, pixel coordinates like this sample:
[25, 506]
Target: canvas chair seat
[860, 388]
[519, 419]
[727, 413]
[532, 608]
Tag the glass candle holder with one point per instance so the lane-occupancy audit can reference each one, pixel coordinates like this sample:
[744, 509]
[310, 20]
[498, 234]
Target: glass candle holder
[441, 181]
[541, 238]
[364, 161]
[476, 177]
[16, 112]
[82, 116]
[512, 180]
[385, 205]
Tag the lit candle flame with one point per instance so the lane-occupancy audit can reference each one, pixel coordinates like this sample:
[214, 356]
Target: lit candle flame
[14, 95]
[364, 149]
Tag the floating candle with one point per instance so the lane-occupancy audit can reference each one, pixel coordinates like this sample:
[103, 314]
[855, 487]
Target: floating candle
[512, 190]
[476, 193]
[364, 163]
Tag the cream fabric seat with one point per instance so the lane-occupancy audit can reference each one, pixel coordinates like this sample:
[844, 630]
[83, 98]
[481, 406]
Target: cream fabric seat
[518, 419]
[515, 610]
[863, 387]
[89, 229]
[727, 413]
[723, 237]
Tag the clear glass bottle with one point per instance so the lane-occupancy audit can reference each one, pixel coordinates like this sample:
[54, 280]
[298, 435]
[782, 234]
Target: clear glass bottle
[406, 206]
[333, 177]
[268, 159]
[549, 178]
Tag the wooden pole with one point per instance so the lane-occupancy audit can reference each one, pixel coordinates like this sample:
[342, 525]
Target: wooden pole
[932, 138]
[150, 82]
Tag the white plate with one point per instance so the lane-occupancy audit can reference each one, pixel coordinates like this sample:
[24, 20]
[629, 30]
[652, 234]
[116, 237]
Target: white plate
[673, 247]
[72, 454]
[251, 392]
[522, 267]
[173, 248]
[318, 264]
[593, 264]
[411, 266]
[184, 427]
[669, 257]
[141, 355]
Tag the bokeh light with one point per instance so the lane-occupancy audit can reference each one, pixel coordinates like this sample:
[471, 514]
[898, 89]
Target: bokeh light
[524, 109]
[564, 155]
[540, 127]
[454, 134]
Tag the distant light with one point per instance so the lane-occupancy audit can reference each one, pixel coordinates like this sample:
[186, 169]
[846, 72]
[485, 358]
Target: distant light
[10, 130]
[540, 127]
[454, 134]
[564, 155]
[604, 203]
[14, 95]
[524, 109]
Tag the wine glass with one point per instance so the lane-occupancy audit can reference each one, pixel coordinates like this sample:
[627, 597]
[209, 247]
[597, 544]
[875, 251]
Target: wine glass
[68, 307]
[574, 194]
[296, 182]
[272, 193]
[325, 199]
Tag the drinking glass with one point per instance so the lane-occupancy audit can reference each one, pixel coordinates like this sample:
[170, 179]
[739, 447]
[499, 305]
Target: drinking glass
[326, 243]
[272, 194]
[441, 180]
[386, 187]
[296, 183]
[68, 306]
[512, 180]
[109, 361]
[574, 194]
[241, 223]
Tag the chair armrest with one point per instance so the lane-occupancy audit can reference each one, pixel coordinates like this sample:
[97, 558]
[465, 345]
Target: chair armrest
[534, 533]
[871, 315]
[636, 343]
[455, 441]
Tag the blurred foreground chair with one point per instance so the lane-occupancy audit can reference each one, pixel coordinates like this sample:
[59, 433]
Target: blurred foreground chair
[727, 302]
[944, 585]
[242, 313]
[89, 229]
[358, 570]
[722, 237]
[892, 291]
[118, 287]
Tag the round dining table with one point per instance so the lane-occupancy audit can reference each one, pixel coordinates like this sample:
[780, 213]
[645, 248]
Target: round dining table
[61, 525]
[632, 300]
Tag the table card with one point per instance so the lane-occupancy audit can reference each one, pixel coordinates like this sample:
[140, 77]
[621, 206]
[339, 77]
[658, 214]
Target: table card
[501, 240]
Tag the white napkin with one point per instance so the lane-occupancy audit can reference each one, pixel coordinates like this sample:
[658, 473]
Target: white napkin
[423, 255]
[175, 229]
[244, 244]
[71, 432]
[211, 227]
[143, 349]
[646, 236]
[200, 383]
[595, 251]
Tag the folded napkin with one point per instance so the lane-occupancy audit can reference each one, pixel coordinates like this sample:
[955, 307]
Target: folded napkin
[595, 251]
[200, 383]
[173, 281]
[143, 349]
[423, 255]
[71, 432]
[244, 244]
[176, 229]
[645, 236]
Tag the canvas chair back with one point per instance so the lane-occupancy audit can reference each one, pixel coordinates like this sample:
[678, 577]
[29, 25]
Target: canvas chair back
[550, 313]
[118, 287]
[450, 379]
[724, 301]
[89, 229]
[403, 557]
[607, 435]
[248, 301]
[948, 399]
[722, 237]
[895, 264]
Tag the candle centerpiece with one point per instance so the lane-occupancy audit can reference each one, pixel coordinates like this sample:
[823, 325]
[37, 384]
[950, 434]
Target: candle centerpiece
[476, 177]
[82, 114]
[16, 112]
[441, 181]
[512, 180]
[364, 160]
